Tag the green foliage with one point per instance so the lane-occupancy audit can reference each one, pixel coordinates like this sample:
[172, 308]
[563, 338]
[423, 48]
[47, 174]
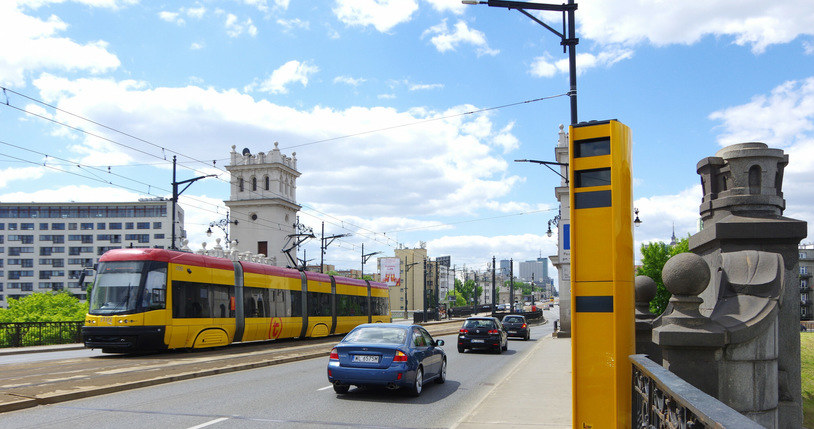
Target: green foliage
[459, 300]
[807, 376]
[367, 277]
[467, 291]
[44, 307]
[654, 256]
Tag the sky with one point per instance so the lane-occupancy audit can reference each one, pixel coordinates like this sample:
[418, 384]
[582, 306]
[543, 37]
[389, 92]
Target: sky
[406, 116]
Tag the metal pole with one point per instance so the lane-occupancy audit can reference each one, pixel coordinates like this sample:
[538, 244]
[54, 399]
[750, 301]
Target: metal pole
[493, 284]
[511, 284]
[322, 249]
[425, 290]
[572, 62]
[361, 276]
[174, 199]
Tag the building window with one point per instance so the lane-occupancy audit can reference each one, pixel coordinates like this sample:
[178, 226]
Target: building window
[143, 225]
[58, 226]
[156, 225]
[254, 183]
[240, 184]
[100, 225]
[115, 225]
[72, 226]
[128, 225]
[27, 226]
[44, 226]
[86, 226]
[158, 236]
[12, 227]
[803, 270]
[267, 182]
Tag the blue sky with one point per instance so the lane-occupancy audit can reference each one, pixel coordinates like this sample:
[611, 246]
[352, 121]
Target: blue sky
[195, 78]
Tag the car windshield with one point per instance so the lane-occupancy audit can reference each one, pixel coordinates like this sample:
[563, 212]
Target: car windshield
[479, 323]
[378, 335]
[512, 320]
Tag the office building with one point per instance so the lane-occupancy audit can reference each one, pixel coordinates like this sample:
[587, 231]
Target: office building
[45, 246]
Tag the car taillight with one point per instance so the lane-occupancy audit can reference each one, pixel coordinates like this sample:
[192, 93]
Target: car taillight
[494, 331]
[464, 331]
[400, 356]
[524, 325]
[334, 355]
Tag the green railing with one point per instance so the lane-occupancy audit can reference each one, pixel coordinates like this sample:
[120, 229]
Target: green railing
[24, 334]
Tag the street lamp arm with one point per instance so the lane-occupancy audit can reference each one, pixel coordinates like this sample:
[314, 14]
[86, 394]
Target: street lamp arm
[527, 5]
[548, 165]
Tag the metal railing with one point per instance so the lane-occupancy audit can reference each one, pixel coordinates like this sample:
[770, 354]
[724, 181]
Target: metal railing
[24, 334]
[661, 399]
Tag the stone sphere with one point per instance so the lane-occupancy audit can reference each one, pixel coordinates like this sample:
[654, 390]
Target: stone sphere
[645, 289]
[685, 274]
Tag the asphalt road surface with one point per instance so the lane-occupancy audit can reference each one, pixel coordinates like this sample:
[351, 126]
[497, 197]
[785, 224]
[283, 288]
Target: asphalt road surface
[291, 395]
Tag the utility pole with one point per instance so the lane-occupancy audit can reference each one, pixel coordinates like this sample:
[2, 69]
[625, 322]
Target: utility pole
[176, 193]
[493, 284]
[365, 257]
[425, 290]
[511, 284]
[324, 243]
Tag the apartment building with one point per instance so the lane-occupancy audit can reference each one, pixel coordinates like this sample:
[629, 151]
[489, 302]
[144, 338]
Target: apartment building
[806, 271]
[45, 246]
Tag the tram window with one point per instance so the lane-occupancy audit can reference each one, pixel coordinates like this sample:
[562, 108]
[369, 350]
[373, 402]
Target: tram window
[221, 298]
[319, 304]
[153, 297]
[296, 303]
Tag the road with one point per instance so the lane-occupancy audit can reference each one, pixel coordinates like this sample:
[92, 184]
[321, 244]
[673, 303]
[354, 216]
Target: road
[295, 394]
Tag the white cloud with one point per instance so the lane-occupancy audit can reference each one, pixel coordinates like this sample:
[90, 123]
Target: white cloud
[371, 173]
[476, 251]
[172, 17]
[11, 174]
[77, 193]
[546, 67]
[110, 4]
[383, 15]
[290, 72]
[196, 46]
[754, 23]
[290, 24]
[235, 28]
[425, 86]
[782, 119]
[453, 6]
[30, 44]
[349, 80]
[445, 40]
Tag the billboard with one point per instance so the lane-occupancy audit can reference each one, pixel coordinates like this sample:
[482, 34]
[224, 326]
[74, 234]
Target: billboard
[443, 260]
[390, 271]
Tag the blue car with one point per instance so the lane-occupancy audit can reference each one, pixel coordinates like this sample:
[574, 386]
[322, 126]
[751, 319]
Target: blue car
[389, 355]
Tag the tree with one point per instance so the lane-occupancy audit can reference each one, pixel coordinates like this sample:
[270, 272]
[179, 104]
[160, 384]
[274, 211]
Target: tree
[467, 290]
[459, 300]
[654, 256]
[44, 307]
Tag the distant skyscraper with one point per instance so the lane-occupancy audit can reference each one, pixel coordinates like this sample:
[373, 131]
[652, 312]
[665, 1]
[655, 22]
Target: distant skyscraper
[505, 267]
[537, 270]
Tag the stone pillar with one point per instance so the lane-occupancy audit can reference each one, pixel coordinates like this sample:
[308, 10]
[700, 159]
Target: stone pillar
[645, 292]
[751, 250]
[691, 344]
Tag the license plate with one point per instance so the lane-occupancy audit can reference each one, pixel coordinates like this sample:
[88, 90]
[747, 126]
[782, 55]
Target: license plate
[366, 358]
[512, 332]
[477, 341]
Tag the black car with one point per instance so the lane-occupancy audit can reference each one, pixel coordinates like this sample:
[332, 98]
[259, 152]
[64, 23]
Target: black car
[516, 326]
[483, 333]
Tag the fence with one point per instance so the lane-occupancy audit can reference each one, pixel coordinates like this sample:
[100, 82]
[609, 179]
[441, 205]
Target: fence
[661, 399]
[25, 334]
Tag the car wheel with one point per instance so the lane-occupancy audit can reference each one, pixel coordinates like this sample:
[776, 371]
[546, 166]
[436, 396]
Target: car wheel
[442, 376]
[341, 388]
[499, 349]
[461, 349]
[506, 347]
[418, 385]
[527, 337]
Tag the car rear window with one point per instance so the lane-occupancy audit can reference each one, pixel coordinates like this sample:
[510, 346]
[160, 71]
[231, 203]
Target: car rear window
[377, 335]
[513, 320]
[479, 324]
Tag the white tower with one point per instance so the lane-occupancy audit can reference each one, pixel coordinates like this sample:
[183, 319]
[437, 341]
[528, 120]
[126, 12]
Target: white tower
[263, 201]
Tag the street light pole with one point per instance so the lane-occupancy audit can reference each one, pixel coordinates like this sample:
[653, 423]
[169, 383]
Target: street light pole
[570, 42]
[176, 193]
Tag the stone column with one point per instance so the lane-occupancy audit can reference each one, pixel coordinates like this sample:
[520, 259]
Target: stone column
[645, 292]
[742, 212]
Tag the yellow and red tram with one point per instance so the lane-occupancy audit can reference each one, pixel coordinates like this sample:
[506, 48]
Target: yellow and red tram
[154, 299]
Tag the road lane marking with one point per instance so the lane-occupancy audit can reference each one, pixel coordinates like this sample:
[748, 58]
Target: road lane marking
[209, 423]
[326, 387]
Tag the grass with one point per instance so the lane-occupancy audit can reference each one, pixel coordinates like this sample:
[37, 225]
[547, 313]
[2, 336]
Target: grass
[807, 364]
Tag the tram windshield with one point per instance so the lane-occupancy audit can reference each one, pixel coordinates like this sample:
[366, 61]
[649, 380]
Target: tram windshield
[129, 287]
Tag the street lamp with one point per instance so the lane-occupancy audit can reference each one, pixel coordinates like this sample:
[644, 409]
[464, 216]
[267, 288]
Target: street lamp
[636, 221]
[223, 224]
[555, 222]
[570, 42]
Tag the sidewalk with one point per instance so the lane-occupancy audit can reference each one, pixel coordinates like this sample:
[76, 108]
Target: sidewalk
[536, 393]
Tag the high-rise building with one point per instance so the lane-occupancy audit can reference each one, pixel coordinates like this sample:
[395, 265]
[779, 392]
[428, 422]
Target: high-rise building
[46, 246]
[505, 267]
[538, 269]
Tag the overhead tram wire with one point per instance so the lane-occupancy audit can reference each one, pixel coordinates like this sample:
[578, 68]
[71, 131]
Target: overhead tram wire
[289, 147]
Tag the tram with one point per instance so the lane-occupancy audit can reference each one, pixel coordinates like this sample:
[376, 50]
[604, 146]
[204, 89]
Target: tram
[157, 299]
